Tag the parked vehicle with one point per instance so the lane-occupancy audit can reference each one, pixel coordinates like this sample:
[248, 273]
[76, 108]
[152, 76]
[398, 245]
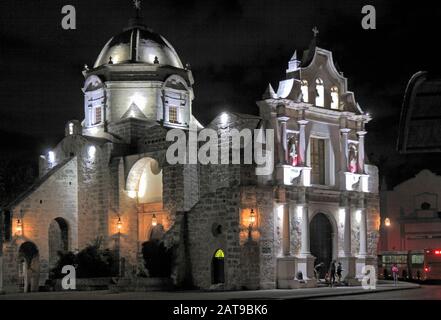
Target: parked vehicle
[415, 264]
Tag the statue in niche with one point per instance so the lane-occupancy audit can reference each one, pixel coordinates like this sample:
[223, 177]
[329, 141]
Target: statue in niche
[292, 152]
[352, 158]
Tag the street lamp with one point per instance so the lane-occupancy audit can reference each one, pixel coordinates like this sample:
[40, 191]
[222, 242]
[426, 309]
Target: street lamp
[119, 225]
[387, 222]
[154, 221]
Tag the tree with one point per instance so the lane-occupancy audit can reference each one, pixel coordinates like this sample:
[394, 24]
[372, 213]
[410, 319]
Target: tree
[157, 258]
[91, 262]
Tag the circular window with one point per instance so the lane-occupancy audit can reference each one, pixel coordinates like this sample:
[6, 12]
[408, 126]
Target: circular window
[216, 229]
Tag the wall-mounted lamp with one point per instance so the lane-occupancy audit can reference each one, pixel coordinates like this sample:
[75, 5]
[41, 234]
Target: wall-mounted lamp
[91, 151]
[358, 216]
[252, 217]
[131, 194]
[18, 228]
[51, 157]
[154, 221]
[299, 212]
[341, 216]
[387, 222]
[224, 118]
[71, 128]
[119, 224]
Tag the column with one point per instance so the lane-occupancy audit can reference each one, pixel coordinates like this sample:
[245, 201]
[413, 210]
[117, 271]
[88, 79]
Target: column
[284, 139]
[25, 276]
[305, 245]
[348, 260]
[344, 149]
[286, 264]
[347, 233]
[286, 244]
[302, 142]
[361, 135]
[363, 230]
[305, 261]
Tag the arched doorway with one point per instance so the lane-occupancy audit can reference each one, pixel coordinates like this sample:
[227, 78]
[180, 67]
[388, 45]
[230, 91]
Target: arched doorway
[58, 240]
[321, 241]
[144, 181]
[218, 267]
[28, 267]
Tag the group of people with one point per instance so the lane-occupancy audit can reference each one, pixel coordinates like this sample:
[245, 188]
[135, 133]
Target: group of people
[334, 272]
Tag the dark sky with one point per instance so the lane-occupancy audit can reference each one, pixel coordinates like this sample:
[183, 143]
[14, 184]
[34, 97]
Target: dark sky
[235, 47]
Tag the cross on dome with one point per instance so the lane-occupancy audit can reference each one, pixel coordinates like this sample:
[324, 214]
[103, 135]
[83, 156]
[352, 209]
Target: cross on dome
[315, 30]
[137, 4]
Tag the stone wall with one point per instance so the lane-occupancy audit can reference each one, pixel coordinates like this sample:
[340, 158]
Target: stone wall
[54, 197]
[93, 194]
[215, 208]
[373, 223]
[130, 129]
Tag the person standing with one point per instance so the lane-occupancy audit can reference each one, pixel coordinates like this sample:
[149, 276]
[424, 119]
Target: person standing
[339, 271]
[317, 270]
[332, 273]
[395, 273]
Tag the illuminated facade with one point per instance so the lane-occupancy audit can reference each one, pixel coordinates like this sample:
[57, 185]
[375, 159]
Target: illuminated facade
[228, 227]
[327, 202]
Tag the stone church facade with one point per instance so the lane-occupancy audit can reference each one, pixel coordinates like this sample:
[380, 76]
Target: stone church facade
[229, 228]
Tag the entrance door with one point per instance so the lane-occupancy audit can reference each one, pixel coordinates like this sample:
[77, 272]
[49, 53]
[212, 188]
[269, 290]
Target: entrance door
[321, 242]
[28, 267]
[218, 267]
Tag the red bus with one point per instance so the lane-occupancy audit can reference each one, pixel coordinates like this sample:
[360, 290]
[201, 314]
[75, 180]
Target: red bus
[415, 264]
[432, 264]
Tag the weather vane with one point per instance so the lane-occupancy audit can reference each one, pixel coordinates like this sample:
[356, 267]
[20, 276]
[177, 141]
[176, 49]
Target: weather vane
[315, 31]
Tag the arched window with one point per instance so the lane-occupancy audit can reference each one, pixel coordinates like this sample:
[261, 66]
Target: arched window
[219, 254]
[144, 181]
[304, 88]
[58, 236]
[94, 101]
[320, 93]
[334, 98]
[218, 272]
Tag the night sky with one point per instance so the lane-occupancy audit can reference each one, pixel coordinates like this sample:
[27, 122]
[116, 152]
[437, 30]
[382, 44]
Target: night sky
[234, 47]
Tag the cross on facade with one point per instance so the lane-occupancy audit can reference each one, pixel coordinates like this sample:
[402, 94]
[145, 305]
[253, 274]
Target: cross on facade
[137, 4]
[315, 31]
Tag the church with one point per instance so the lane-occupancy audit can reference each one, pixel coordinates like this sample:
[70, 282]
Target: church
[229, 228]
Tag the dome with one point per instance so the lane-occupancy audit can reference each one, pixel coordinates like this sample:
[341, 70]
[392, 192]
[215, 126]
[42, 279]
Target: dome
[138, 44]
